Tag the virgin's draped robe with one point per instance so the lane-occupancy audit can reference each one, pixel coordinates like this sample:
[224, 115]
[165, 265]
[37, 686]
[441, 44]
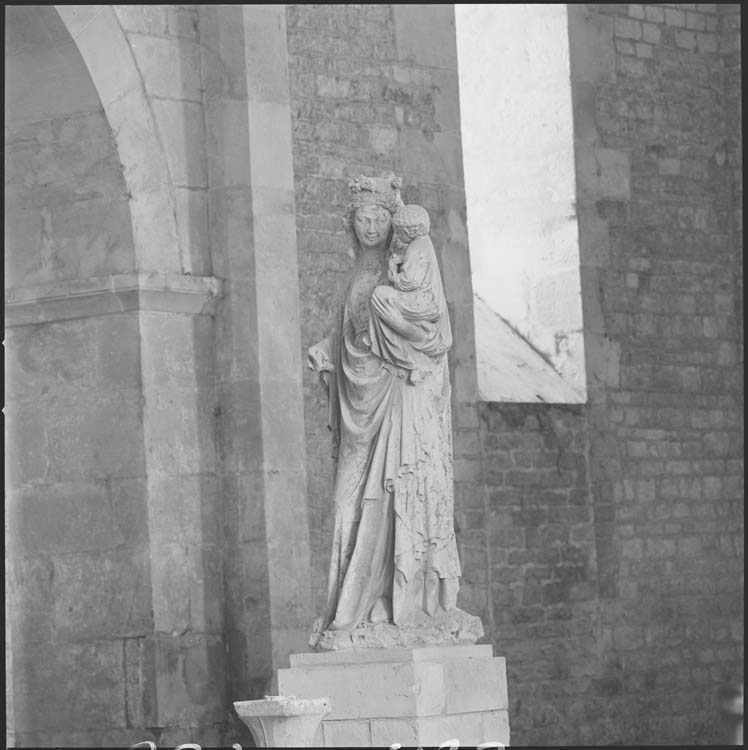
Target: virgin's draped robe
[394, 553]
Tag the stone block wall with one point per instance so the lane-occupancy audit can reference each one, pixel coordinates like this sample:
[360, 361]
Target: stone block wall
[66, 201]
[113, 563]
[78, 581]
[75, 499]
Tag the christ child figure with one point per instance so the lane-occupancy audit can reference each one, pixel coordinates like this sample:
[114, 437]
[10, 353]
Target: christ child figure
[409, 326]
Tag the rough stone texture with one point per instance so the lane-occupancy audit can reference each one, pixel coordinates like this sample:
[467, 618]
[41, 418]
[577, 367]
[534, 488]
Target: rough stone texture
[608, 561]
[278, 721]
[454, 627]
[165, 46]
[75, 508]
[66, 202]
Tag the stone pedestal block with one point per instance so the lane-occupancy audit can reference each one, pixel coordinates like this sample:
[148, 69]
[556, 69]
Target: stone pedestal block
[414, 696]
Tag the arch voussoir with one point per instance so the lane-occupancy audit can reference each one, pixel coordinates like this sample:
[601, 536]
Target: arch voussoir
[106, 51]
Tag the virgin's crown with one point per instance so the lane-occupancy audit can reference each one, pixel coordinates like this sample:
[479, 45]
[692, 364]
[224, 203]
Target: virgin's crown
[378, 191]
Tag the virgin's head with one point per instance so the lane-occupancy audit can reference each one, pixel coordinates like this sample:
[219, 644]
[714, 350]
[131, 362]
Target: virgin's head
[372, 201]
[372, 226]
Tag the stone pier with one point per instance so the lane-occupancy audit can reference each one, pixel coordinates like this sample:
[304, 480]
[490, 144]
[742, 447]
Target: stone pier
[413, 696]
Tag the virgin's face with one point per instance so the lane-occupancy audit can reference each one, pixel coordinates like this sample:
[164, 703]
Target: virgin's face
[372, 226]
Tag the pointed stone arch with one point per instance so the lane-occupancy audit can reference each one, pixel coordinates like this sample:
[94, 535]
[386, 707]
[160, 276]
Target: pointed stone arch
[106, 52]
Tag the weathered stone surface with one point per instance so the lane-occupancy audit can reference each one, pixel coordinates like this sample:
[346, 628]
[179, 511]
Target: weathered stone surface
[140, 692]
[68, 189]
[395, 581]
[115, 737]
[370, 690]
[31, 601]
[407, 684]
[190, 685]
[100, 594]
[184, 121]
[367, 656]
[80, 443]
[355, 732]
[425, 37]
[42, 57]
[454, 627]
[66, 517]
[192, 229]
[468, 728]
[82, 685]
[280, 721]
[170, 67]
[475, 685]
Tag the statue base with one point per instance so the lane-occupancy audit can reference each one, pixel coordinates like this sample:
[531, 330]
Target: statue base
[412, 696]
[452, 628]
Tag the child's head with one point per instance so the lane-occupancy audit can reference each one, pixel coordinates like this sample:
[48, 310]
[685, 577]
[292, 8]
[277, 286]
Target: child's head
[411, 221]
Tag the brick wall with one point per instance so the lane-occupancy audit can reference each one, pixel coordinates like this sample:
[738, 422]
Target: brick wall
[629, 639]
[674, 613]
[539, 592]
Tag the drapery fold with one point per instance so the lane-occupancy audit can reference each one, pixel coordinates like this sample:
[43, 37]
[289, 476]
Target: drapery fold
[393, 492]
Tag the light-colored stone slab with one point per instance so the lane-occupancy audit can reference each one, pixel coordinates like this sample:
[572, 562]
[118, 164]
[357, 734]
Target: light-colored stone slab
[399, 687]
[510, 369]
[470, 729]
[475, 685]
[356, 733]
[496, 726]
[435, 653]
[370, 690]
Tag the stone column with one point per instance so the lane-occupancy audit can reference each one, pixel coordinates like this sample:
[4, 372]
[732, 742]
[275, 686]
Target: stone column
[258, 349]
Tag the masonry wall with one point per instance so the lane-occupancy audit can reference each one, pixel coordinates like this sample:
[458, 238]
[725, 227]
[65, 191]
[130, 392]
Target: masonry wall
[623, 611]
[77, 577]
[601, 544]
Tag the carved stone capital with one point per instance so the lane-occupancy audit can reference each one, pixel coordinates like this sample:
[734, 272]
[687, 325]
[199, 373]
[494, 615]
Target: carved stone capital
[284, 721]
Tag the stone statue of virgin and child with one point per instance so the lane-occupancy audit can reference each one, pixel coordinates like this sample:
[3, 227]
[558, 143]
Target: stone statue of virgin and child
[394, 572]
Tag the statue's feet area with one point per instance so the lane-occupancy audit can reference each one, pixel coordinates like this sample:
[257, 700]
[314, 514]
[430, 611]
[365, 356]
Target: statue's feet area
[452, 628]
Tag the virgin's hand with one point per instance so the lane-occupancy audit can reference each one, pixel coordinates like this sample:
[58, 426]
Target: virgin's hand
[393, 267]
[318, 360]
